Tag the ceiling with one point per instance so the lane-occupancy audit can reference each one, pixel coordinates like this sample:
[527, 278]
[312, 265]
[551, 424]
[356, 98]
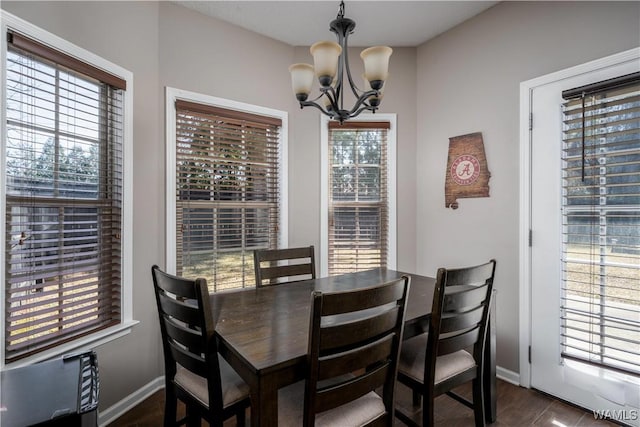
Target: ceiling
[302, 23]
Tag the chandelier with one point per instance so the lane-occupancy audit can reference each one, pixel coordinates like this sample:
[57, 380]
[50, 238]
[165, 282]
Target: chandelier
[330, 61]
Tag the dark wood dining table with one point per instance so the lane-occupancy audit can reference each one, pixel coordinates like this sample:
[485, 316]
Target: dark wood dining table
[263, 333]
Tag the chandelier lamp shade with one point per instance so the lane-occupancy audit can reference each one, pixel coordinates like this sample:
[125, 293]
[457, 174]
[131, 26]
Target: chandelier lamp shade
[330, 64]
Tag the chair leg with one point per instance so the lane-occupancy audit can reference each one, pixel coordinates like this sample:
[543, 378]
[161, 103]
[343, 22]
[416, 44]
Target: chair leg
[193, 417]
[170, 407]
[478, 401]
[417, 398]
[241, 418]
[405, 419]
[428, 413]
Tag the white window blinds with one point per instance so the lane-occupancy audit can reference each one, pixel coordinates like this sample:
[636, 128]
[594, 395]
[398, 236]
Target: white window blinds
[63, 198]
[601, 227]
[227, 200]
[358, 196]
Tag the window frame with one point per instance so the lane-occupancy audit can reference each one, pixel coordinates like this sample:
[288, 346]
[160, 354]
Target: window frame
[86, 342]
[391, 186]
[174, 94]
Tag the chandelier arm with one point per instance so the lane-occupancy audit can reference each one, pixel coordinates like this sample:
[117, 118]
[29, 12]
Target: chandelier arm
[355, 89]
[328, 92]
[315, 104]
[339, 78]
[333, 97]
[362, 100]
[357, 113]
[316, 98]
[338, 90]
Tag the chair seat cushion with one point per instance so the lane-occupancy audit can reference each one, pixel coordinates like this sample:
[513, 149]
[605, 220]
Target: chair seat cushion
[355, 413]
[233, 388]
[412, 357]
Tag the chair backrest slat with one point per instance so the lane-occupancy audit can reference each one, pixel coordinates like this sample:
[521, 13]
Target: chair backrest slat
[269, 273]
[459, 321]
[177, 286]
[349, 361]
[180, 310]
[367, 298]
[354, 343]
[273, 264]
[288, 253]
[357, 332]
[473, 276]
[468, 297]
[185, 336]
[458, 342]
[189, 360]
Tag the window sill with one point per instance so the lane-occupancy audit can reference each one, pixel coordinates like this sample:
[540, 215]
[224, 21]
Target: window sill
[83, 344]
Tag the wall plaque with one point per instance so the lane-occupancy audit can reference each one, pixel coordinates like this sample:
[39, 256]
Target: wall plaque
[467, 172]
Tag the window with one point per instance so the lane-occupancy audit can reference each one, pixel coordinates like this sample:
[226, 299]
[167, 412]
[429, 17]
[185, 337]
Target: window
[228, 180]
[64, 203]
[601, 224]
[360, 214]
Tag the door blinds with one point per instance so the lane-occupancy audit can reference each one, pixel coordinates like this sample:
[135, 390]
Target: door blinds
[601, 226]
[358, 200]
[227, 192]
[63, 198]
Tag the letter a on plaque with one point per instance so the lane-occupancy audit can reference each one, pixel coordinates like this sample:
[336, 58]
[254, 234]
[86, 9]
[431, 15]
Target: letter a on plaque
[467, 172]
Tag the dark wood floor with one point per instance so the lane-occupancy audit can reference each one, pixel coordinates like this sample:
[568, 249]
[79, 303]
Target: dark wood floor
[517, 407]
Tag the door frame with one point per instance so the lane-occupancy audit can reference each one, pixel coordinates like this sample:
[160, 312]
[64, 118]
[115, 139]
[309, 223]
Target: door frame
[526, 121]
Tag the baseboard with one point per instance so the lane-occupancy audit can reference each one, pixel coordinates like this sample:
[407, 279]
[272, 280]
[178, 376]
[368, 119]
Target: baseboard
[507, 375]
[115, 411]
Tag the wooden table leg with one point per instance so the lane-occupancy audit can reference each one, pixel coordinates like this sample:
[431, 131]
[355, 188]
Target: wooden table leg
[255, 407]
[264, 402]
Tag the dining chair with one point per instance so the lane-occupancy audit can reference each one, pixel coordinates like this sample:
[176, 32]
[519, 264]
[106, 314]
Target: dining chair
[269, 264]
[194, 372]
[451, 352]
[354, 341]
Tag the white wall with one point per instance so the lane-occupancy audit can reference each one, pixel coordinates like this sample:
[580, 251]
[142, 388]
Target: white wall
[468, 81]
[209, 56]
